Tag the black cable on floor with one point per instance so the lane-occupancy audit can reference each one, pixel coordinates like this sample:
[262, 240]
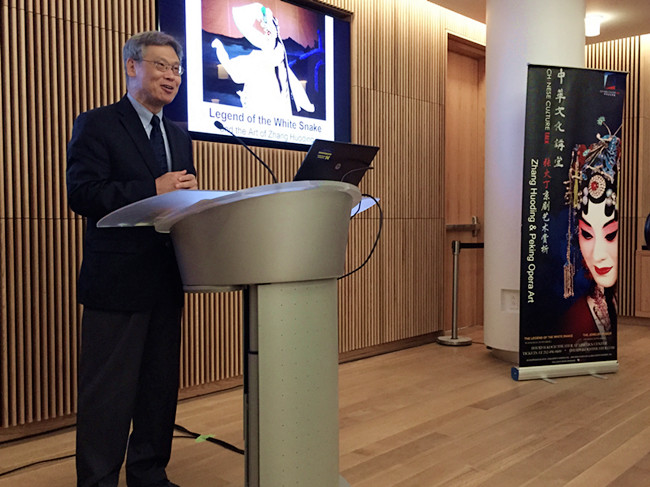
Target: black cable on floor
[189, 434]
[33, 464]
[211, 439]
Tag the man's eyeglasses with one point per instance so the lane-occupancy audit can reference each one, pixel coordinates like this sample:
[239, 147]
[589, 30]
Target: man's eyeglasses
[163, 67]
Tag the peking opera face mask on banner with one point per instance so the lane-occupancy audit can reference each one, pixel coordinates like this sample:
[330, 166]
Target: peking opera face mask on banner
[592, 195]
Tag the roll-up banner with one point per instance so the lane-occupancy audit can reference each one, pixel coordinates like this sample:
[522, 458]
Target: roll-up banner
[570, 222]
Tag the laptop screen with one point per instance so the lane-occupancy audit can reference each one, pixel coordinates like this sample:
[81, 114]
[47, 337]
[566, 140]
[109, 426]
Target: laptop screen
[336, 161]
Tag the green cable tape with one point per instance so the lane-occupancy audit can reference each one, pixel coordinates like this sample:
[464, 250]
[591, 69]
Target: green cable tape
[203, 438]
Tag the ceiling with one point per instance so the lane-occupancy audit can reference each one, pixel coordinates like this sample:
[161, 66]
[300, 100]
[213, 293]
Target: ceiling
[622, 18]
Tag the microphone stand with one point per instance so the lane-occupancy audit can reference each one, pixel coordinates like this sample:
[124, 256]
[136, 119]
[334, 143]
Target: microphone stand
[220, 126]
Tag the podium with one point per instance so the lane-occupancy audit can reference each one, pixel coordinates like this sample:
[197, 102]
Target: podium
[284, 246]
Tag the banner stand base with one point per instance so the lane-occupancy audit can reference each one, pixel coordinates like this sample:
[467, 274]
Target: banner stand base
[564, 370]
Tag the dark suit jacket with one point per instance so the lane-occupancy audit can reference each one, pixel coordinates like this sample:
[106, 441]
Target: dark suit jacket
[111, 164]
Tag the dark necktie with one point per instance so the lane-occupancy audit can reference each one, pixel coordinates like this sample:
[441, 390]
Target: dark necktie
[158, 145]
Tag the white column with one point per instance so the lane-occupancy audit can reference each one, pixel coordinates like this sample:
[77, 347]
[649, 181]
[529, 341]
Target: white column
[519, 32]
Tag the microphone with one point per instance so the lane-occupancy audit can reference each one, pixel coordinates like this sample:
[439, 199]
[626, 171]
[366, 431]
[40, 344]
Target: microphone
[220, 126]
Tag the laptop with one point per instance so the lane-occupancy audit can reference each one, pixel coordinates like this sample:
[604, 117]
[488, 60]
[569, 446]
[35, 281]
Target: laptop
[336, 161]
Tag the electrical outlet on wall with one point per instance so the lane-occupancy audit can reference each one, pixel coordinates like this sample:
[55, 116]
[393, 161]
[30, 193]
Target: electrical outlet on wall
[510, 300]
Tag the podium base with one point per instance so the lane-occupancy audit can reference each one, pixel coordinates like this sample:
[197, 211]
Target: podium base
[454, 342]
[291, 384]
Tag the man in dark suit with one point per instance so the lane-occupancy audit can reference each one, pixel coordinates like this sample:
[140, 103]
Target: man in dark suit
[129, 282]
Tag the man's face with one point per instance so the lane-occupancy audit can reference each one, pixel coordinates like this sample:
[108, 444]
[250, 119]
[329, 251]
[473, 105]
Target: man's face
[149, 85]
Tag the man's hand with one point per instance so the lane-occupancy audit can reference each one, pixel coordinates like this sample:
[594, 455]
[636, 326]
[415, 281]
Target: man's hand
[173, 180]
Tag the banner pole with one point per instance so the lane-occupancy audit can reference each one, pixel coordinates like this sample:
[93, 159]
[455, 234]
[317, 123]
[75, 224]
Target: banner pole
[454, 339]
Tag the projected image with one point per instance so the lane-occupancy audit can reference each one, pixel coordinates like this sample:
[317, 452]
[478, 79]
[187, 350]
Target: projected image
[271, 72]
[258, 69]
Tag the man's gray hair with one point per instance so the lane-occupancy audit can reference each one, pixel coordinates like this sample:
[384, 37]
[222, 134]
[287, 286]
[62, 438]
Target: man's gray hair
[135, 45]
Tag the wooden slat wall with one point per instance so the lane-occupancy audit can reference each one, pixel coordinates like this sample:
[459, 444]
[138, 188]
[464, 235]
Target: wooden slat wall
[644, 143]
[625, 55]
[58, 58]
[61, 57]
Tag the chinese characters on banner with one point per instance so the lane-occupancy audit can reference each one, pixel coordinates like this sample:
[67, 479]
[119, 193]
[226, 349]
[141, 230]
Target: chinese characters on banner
[570, 214]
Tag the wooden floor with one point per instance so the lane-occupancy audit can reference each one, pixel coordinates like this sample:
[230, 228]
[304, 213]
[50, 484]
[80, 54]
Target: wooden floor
[430, 416]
